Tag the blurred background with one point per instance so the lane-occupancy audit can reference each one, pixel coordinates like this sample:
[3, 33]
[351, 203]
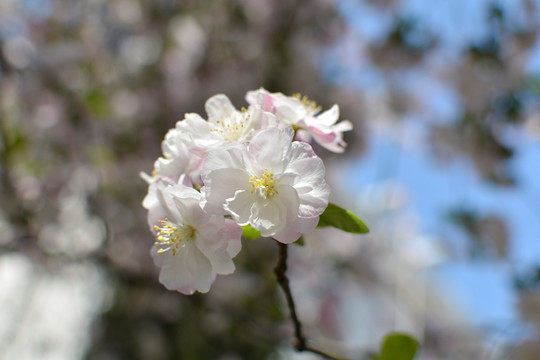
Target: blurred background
[443, 165]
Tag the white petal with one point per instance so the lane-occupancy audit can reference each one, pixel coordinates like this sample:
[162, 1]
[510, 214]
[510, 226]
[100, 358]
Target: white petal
[233, 232]
[150, 200]
[252, 97]
[219, 106]
[221, 262]
[289, 110]
[166, 202]
[272, 215]
[232, 156]
[268, 217]
[288, 196]
[344, 125]
[269, 148]
[192, 124]
[147, 178]
[187, 271]
[297, 228]
[197, 133]
[214, 239]
[240, 206]
[191, 211]
[300, 150]
[171, 168]
[311, 186]
[329, 117]
[222, 184]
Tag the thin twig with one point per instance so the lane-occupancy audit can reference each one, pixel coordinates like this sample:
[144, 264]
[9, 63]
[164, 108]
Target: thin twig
[283, 281]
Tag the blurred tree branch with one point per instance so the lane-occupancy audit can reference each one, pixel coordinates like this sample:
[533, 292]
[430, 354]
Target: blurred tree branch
[301, 342]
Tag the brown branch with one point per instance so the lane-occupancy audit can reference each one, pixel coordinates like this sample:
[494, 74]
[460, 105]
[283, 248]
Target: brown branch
[301, 342]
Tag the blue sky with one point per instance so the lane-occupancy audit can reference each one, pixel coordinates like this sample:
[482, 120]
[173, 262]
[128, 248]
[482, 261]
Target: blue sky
[483, 289]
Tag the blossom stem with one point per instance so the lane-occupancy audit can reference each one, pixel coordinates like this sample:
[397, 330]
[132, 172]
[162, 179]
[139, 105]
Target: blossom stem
[301, 343]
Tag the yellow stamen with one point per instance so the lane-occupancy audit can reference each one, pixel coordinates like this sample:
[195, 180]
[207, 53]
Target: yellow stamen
[233, 126]
[172, 235]
[266, 182]
[310, 105]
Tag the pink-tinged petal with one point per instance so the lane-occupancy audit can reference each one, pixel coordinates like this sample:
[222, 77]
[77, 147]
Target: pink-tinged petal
[325, 131]
[324, 134]
[262, 98]
[336, 145]
[239, 206]
[185, 180]
[260, 119]
[268, 103]
[302, 135]
[219, 106]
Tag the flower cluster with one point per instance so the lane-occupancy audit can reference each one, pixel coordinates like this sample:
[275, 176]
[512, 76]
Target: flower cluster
[236, 168]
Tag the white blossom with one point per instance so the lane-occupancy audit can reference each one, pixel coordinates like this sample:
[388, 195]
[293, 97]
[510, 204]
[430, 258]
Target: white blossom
[191, 245]
[275, 185]
[305, 117]
[225, 125]
[249, 172]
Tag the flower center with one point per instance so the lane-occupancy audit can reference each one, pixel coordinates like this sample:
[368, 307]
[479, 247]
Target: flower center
[172, 235]
[265, 183]
[233, 126]
[311, 106]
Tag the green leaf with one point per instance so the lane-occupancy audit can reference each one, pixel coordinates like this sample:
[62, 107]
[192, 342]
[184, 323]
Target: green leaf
[250, 233]
[300, 241]
[398, 346]
[342, 219]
